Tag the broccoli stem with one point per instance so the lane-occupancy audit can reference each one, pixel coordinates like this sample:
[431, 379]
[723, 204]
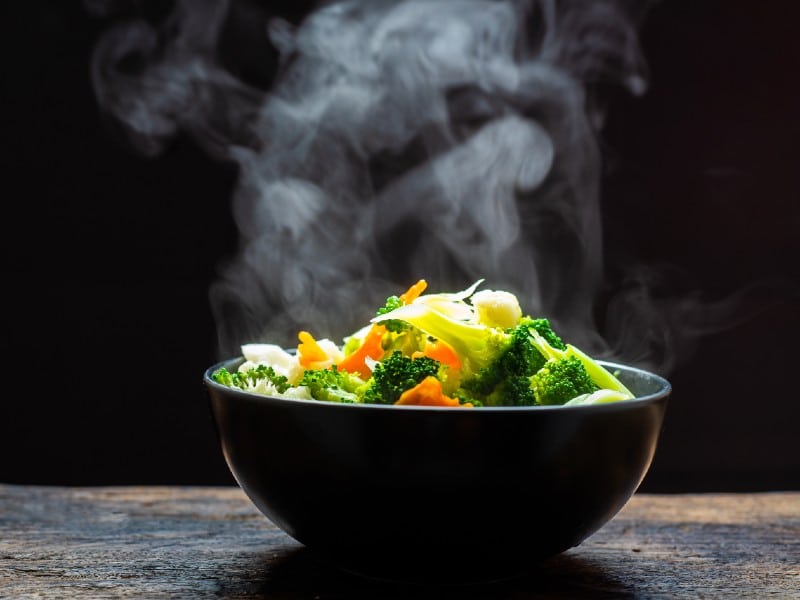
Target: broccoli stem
[603, 378]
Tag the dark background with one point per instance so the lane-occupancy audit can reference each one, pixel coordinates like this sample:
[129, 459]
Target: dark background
[108, 256]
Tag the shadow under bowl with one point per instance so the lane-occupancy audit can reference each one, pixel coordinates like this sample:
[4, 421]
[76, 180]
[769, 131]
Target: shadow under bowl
[426, 493]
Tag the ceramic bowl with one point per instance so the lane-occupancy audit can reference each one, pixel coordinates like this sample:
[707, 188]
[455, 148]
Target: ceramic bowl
[413, 493]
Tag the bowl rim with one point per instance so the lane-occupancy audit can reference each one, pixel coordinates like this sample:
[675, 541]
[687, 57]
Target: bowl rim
[664, 391]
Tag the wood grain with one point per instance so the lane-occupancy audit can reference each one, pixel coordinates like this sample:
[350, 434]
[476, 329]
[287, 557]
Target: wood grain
[176, 542]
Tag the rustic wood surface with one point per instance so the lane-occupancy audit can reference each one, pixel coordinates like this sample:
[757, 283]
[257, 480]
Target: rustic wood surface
[167, 542]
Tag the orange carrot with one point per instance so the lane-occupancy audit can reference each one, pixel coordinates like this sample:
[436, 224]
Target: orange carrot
[414, 292]
[427, 392]
[371, 347]
[441, 352]
[309, 351]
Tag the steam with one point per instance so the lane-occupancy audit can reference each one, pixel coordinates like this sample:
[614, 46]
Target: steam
[446, 139]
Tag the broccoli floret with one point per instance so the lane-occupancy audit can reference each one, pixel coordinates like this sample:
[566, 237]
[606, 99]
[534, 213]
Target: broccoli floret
[561, 380]
[537, 367]
[396, 374]
[464, 397]
[543, 328]
[515, 390]
[393, 325]
[223, 377]
[333, 385]
[506, 380]
[252, 378]
[525, 374]
[601, 378]
[517, 358]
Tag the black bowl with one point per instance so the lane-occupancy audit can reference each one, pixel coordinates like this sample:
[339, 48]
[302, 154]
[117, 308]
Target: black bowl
[419, 493]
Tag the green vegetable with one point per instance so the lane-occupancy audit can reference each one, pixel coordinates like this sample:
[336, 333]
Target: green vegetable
[464, 397]
[393, 325]
[543, 328]
[599, 376]
[333, 385]
[396, 374]
[516, 390]
[251, 378]
[561, 380]
[504, 381]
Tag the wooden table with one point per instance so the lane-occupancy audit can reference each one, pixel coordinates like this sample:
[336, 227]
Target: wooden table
[203, 542]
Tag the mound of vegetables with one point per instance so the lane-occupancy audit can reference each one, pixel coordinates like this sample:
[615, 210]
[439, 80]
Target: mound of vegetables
[465, 349]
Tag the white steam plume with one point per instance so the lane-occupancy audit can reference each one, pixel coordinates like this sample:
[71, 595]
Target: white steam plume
[445, 139]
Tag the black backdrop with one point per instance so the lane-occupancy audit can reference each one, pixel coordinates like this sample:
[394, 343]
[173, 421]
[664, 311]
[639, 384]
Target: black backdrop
[109, 256]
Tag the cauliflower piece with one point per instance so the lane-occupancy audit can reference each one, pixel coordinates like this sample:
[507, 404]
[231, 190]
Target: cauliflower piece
[331, 349]
[283, 362]
[497, 308]
[300, 392]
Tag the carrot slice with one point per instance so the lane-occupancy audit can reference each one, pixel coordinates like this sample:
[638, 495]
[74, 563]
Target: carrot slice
[356, 361]
[308, 350]
[443, 353]
[427, 392]
[414, 292]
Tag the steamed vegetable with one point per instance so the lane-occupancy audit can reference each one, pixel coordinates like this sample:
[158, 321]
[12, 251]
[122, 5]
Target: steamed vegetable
[261, 378]
[396, 374]
[333, 385]
[468, 349]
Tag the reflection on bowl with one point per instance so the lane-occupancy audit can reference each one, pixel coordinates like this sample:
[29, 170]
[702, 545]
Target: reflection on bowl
[425, 492]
